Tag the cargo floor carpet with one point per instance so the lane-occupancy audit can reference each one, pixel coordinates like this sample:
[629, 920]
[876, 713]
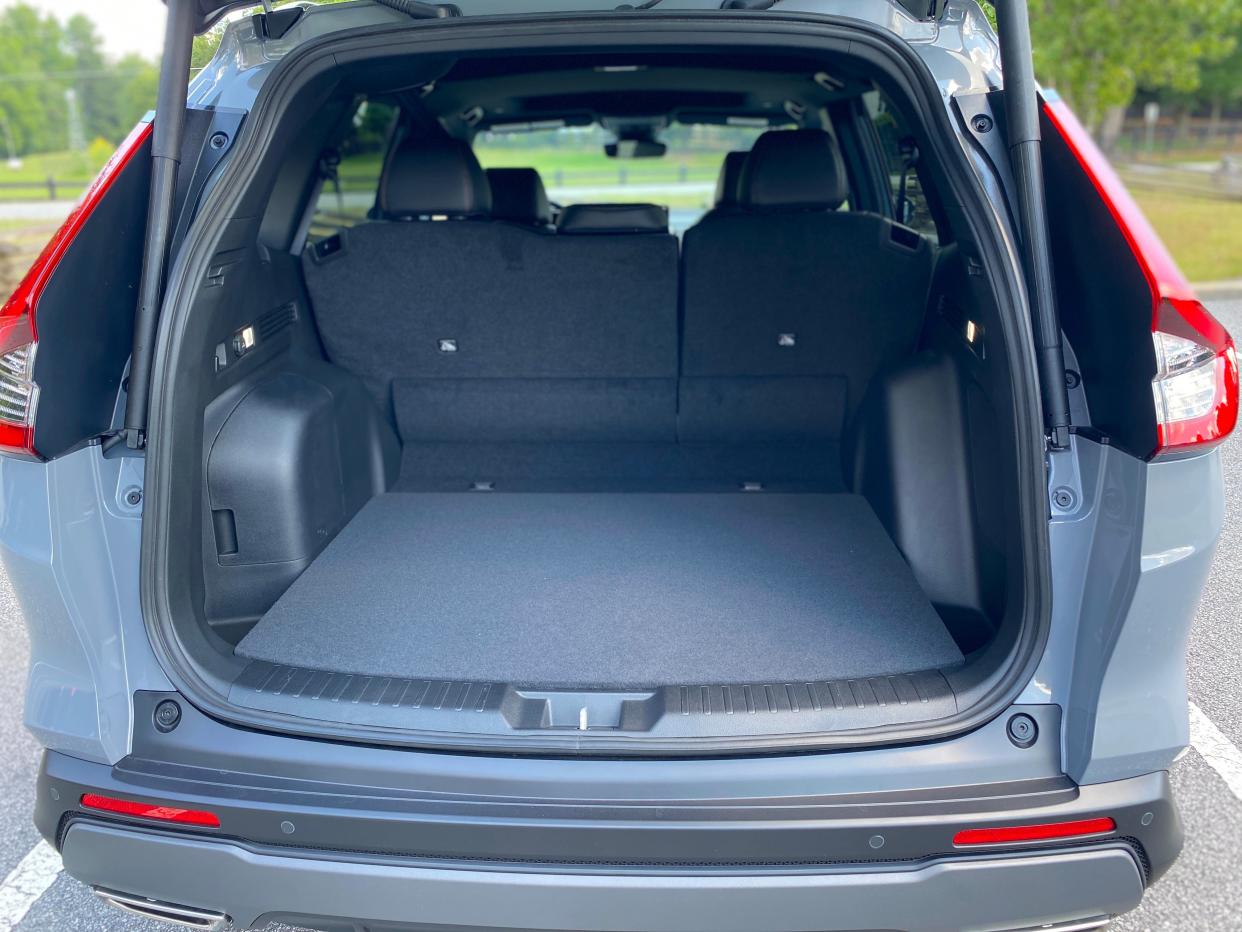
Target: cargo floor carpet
[608, 590]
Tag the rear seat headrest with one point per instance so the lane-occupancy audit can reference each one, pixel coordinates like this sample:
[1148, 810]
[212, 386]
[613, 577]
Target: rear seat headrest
[518, 196]
[433, 177]
[613, 218]
[729, 183]
[799, 169]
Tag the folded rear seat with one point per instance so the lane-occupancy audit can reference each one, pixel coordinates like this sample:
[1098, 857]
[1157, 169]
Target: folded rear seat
[503, 350]
[471, 330]
[791, 306]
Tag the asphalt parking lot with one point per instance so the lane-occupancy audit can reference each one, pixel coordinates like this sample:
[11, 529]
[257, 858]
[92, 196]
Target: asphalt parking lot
[1203, 890]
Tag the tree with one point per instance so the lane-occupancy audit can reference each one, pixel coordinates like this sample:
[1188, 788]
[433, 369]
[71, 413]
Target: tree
[30, 49]
[41, 59]
[1221, 84]
[205, 47]
[137, 86]
[93, 81]
[1098, 52]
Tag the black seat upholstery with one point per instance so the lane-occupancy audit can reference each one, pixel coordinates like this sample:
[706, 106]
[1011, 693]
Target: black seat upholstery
[613, 218]
[518, 196]
[729, 182]
[433, 178]
[475, 329]
[791, 306]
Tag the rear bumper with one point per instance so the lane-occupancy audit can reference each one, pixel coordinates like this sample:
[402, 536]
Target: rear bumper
[324, 834]
[253, 886]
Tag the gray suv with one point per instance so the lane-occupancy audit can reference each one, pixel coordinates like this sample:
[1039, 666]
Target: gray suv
[559, 465]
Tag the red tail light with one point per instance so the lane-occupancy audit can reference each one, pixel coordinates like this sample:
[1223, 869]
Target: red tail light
[1047, 832]
[159, 813]
[1195, 389]
[19, 336]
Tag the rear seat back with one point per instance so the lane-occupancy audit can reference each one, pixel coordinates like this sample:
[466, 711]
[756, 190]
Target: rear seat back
[791, 306]
[474, 329]
[729, 182]
[518, 196]
[471, 329]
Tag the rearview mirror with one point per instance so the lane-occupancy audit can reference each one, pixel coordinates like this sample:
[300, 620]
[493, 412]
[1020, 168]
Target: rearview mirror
[635, 149]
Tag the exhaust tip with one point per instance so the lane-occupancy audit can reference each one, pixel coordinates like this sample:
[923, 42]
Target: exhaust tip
[187, 917]
[1075, 925]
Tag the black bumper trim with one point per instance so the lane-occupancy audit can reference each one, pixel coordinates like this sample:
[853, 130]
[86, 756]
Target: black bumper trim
[770, 834]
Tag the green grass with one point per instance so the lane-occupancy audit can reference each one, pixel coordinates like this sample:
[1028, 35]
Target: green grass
[1163, 156]
[72, 165]
[575, 165]
[1202, 233]
[593, 161]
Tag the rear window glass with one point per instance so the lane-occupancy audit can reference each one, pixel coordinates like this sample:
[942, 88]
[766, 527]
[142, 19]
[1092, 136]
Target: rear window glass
[909, 200]
[349, 173]
[575, 169]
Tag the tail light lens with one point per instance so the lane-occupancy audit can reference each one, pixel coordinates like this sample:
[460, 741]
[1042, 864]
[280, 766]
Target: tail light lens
[19, 395]
[1195, 387]
[19, 342]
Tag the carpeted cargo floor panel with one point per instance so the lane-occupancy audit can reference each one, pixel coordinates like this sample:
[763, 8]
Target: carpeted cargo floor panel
[582, 590]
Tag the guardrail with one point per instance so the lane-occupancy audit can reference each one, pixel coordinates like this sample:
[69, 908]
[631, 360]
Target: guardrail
[1220, 182]
[1138, 139]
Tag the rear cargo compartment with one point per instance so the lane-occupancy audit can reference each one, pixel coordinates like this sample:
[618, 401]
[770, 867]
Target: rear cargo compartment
[478, 468]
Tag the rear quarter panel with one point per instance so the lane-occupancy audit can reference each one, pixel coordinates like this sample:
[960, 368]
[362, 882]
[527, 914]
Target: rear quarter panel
[69, 543]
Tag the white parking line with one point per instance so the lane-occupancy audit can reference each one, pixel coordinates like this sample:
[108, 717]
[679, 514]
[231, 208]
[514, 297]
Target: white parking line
[1221, 753]
[26, 883]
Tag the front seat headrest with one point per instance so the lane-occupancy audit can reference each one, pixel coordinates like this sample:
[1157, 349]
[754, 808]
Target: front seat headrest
[799, 169]
[441, 176]
[613, 218]
[518, 196]
[729, 183]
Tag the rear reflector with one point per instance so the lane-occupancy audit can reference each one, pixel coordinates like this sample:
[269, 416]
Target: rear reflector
[19, 395]
[1048, 832]
[160, 813]
[1195, 386]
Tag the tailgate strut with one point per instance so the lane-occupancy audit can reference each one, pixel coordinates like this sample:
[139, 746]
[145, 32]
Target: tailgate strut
[183, 17]
[1022, 119]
